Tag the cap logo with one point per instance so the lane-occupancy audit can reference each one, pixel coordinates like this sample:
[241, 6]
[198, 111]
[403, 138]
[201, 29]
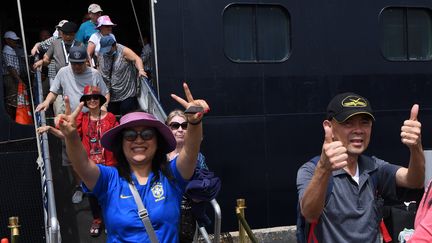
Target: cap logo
[77, 55]
[354, 101]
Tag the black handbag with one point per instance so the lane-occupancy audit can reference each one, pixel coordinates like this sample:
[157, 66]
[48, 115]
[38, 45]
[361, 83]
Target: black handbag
[398, 217]
[187, 222]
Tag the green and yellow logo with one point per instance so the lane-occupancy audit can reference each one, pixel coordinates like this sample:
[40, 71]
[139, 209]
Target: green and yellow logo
[354, 101]
[158, 192]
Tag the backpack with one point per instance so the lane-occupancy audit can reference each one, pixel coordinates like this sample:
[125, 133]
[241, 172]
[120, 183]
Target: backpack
[304, 228]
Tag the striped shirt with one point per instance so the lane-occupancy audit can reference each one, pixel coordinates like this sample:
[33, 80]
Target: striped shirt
[44, 45]
[13, 58]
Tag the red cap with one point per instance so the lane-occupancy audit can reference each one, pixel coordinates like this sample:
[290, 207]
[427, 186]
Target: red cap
[4, 240]
[92, 90]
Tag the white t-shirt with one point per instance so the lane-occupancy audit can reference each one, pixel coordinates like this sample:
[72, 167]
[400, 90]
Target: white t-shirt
[356, 177]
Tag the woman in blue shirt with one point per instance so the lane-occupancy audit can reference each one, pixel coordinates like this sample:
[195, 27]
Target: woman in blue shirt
[140, 144]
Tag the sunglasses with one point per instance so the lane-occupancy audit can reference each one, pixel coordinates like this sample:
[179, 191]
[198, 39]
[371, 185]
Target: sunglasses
[131, 135]
[91, 97]
[176, 125]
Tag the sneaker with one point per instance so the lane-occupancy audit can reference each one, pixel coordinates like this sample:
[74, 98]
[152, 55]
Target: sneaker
[78, 195]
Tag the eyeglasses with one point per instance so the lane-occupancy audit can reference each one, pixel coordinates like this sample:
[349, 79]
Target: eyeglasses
[131, 135]
[91, 97]
[176, 125]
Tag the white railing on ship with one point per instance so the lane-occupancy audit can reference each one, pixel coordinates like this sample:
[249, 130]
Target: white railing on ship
[148, 101]
[52, 226]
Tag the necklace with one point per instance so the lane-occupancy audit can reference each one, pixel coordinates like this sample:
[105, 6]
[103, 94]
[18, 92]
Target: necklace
[93, 133]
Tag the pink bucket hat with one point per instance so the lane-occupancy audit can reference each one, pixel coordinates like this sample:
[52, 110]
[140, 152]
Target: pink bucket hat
[104, 20]
[135, 119]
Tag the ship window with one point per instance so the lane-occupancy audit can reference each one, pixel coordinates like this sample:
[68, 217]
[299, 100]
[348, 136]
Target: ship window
[406, 34]
[256, 33]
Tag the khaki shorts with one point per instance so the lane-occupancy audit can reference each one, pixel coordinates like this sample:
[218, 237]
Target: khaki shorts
[59, 105]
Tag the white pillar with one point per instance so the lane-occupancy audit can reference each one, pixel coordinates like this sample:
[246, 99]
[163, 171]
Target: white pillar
[428, 167]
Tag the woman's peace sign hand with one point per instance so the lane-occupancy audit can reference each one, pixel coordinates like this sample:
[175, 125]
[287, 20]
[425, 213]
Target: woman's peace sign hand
[66, 122]
[193, 118]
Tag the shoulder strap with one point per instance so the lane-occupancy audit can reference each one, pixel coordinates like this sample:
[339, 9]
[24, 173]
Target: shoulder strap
[143, 214]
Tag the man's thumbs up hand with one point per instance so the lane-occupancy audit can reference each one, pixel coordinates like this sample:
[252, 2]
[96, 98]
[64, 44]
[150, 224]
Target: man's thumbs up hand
[411, 129]
[334, 155]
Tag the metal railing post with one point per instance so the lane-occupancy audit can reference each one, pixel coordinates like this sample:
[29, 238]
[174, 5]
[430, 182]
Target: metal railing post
[243, 225]
[148, 101]
[218, 220]
[52, 226]
[241, 205]
[14, 227]
[204, 234]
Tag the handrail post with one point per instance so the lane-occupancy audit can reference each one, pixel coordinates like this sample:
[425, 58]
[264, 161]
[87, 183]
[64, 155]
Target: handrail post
[148, 101]
[246, 227]
[14, 226]
[204, 234]
[52, 226]
[218, 220]
[241, 205]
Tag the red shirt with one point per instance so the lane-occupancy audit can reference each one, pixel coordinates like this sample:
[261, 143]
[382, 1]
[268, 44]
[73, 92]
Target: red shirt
[91, 132]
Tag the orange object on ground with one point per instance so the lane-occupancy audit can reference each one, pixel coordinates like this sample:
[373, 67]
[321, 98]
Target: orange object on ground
[23, 114]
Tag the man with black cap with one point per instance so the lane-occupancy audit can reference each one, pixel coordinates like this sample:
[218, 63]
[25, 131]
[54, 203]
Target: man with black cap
[59, 52]
[341, 192]
[70, 81]
[40, 48]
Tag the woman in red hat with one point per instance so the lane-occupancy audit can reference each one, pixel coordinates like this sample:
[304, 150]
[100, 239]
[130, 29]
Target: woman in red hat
[91, 126]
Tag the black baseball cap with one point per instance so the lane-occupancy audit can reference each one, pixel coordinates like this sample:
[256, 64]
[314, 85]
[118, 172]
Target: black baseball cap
[69, 27]
[346, 105]
[77, 54]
